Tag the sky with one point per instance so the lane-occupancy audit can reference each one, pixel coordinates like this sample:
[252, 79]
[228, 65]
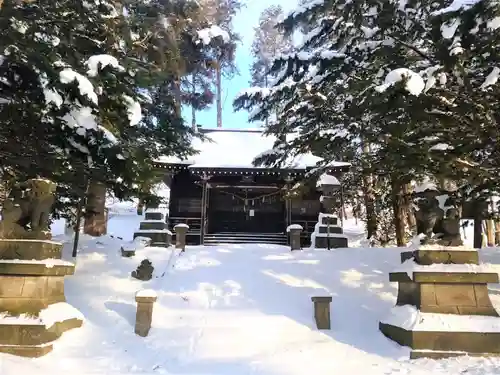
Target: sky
[244, 24]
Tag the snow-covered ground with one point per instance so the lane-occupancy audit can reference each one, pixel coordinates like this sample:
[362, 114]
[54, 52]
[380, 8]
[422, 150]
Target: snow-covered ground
[235, 310]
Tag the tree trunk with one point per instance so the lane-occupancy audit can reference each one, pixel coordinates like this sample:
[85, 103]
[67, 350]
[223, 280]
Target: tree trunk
[95, 210]
[399, 212]
[478, 230]
[408, 207]
[218, 84]
[369, 198]
[193, 109]
[490, 232]
[497, 232]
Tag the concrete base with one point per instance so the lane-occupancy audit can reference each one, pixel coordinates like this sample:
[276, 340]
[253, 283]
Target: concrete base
[474, 343]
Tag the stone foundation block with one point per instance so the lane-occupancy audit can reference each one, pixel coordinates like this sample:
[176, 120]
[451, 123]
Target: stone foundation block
[158, 237]
[335, 242]
[323, 229]
[155, 215]
[444, 256]
[467, 342]
[29, 249]
[147, 225]
[329, 220]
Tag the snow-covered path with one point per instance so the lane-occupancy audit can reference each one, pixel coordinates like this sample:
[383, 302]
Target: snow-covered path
[235, 310]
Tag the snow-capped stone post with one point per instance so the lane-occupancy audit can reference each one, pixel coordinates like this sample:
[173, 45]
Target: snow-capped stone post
[180, 236]
[443, 308]
[322, 311]
[294, 232]
[144, 317]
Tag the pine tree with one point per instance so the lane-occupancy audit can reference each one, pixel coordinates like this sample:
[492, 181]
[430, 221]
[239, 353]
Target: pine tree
[269, 42]
[359, 84]
[220, 13]
[93, 87]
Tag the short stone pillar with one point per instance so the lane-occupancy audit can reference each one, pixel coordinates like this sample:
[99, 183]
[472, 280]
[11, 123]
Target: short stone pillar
[180, 236]
[322, 311]
[294, 232]
[145, 301]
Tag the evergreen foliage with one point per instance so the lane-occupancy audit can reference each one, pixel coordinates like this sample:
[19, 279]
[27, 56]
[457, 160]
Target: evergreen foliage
[402, 88]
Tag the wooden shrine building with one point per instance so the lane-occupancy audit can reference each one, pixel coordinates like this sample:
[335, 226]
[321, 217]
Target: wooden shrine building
[224, 198]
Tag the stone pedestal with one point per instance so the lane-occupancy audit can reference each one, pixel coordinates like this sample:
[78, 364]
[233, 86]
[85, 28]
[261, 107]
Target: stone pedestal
[322, 311]
[180, 236]
[328, 234]
[294, 232]
[457, 290]
[33, 288]
[155, 227]
[145, 301]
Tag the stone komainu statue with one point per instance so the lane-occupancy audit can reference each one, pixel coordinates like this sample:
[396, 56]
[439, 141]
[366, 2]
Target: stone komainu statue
[438, 218]
[26, 211]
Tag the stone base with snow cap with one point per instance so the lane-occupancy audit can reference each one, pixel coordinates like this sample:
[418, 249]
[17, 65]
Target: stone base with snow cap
[32, 335]
[159, 237]
[33, 308]
[443, 307]
[442, 335]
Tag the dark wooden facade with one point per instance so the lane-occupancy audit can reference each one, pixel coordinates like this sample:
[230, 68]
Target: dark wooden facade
[240, 200]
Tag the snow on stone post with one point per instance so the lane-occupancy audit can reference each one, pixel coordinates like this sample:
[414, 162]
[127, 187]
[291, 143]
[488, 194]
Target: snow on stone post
[180, 236]
[144, 317]
[322, 311]
[294, 231]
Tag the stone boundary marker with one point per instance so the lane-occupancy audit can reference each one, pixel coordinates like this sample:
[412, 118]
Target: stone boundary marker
[294, 232]
[144, 316]
[322, 311]
[180, 236]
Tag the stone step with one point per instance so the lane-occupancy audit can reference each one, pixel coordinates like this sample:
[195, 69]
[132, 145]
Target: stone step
[244, 238]
[30, 249]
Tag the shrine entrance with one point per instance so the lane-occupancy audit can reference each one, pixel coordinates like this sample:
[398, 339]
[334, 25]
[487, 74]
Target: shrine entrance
[246, 210]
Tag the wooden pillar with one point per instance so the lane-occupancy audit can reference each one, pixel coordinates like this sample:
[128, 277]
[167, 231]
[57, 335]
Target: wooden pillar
[288, 202]
[204, 198]
[342, 207]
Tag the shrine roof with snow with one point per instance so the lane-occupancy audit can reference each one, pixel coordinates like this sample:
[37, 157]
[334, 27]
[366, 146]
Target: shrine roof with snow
[231, 151]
